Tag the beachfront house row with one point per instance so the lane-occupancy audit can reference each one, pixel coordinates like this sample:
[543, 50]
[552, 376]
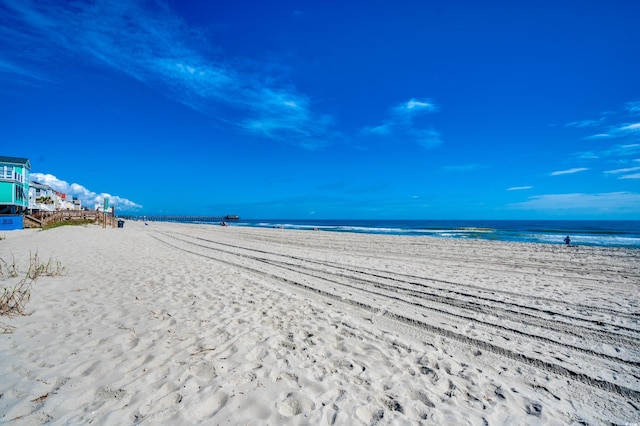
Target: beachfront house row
[44, 198]
[41, 197]
[14, 185]
[67, 203]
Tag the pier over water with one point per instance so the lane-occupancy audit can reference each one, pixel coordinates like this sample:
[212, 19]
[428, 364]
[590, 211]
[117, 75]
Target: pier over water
[184, 219]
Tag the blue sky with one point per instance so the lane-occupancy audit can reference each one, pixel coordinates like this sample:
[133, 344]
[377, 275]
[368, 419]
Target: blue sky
[315, 109]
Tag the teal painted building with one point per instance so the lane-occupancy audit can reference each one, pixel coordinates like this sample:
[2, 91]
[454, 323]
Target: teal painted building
[14, 185]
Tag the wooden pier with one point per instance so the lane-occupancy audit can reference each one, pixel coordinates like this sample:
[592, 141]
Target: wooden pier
[184, 219]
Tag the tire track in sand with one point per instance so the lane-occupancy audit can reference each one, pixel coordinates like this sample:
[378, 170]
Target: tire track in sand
[239, 260]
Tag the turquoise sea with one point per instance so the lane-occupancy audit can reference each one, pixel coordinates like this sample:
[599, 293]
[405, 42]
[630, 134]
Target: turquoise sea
[591, 233]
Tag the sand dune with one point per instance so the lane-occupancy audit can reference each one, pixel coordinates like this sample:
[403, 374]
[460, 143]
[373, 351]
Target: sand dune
[187, 324]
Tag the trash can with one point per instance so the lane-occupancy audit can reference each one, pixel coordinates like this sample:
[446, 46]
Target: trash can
[121, 224]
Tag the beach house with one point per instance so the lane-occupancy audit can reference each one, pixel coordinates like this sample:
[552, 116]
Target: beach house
[14, 191]
[41, 197]
[14, 185]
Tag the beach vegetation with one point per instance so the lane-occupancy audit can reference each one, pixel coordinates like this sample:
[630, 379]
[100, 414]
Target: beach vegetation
[72, 222]
[14, 297]
[37, 268]
[8, 269]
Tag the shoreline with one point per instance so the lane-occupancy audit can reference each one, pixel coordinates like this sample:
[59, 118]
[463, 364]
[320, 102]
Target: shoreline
[621, 233]
[190, 323]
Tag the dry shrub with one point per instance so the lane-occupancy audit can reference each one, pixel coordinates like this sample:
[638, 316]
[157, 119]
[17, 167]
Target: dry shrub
[13, 298]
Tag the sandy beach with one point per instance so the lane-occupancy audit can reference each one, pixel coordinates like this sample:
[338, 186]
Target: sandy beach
[197, 324]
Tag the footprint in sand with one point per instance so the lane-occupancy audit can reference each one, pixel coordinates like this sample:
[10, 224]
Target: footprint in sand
[203, 370]
[417, 395]
[294, 404]
[106, 393]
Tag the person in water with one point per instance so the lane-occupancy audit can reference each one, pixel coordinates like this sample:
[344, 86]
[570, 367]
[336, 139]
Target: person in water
[567, 240]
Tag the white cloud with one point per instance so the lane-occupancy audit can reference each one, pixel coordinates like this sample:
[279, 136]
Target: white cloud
[461, 168]
[400, 125]
[585, 123]
[415, 106]
[381, 130]
[519, 188]
[619, 131]
[625, 173]
[287, 116]
[587, 155]
[88, 198]
[150, 44]
[633, 107]
[613, 151]
[631, 176]
[569, 171]
[612, 202]
[627, 170]
[7, 67]
[426, 138]
[635, 127]
[599, 136]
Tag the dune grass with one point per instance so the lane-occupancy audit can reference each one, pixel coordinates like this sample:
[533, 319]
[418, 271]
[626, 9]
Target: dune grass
[13, 298]
[72, 222]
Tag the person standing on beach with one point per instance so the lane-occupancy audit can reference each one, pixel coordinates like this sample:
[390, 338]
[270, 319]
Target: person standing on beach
[567, 240]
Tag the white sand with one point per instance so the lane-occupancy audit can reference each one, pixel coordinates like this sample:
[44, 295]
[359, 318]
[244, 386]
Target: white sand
[183, 324]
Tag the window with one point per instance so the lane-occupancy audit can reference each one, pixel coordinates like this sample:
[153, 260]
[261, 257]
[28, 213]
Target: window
[6, 172]
[10, 173]
[20, 193]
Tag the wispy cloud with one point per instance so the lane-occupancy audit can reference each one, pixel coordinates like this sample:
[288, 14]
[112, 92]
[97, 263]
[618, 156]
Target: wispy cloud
[426, 138]
[20, 72]
[413, 107]
[401, 126]
[629, 128]
[150, 44]
[620, 150]
[618, 131]
[519, 188]
[625, 173]
[601, 203]
[462, 168]
[599, 136]
[285, 115]
[587, 155]
[569, 171]
[633, 107]
[586, 123]
[619, 171]
[622, 123]
[87, 197]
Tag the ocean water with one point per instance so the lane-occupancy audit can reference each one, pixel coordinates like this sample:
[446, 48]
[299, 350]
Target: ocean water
[590, 233]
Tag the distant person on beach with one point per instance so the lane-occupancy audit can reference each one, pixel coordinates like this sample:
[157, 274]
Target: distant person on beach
[567, 240]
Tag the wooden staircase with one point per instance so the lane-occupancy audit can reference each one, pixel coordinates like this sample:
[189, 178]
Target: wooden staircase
[32, 222]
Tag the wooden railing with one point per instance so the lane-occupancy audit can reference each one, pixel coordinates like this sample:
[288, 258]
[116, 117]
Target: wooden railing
[41, 219]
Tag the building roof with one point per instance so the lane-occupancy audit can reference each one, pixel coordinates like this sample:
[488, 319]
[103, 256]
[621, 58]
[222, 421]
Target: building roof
[15, 160]
[39, 185]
